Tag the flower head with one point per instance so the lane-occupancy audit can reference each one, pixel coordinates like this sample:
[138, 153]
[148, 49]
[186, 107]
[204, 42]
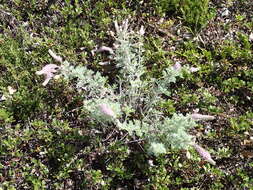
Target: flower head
[204, 154]
[197, 116]
[105, 109]
[177, 66]
[48, 70]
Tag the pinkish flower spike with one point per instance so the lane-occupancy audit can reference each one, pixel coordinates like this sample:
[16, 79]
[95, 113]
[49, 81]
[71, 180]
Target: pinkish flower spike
[204, 154]
[48, 71]
[197, 116]
[106, 110]
[177, 66]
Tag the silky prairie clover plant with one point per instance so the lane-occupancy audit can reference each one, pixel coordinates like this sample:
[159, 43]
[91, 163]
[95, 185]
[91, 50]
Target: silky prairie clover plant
[132, 102]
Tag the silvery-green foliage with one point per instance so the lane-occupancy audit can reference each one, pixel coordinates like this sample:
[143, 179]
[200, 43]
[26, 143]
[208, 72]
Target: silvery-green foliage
[128, 57]
[174, 130]
[157, 148]
[135, 127]
[128, 53]
[92, 84]
[144, 96]
[132, 96]
[169, 76]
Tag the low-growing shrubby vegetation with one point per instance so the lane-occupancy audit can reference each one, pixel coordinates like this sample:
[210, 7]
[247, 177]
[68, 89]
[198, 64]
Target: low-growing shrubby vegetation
[126, 95]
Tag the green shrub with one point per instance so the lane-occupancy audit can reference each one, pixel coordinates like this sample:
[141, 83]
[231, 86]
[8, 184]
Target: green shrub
[195, 13]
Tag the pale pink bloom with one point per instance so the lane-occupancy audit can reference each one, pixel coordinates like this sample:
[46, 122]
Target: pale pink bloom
[56, 57]
[48, 70]
[197, 116]
[177, 66]
[106, 110]
[204, 154]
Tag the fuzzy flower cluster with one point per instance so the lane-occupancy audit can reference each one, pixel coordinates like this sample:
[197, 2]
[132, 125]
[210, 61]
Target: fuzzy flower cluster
[48, 71]
[204, 154]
